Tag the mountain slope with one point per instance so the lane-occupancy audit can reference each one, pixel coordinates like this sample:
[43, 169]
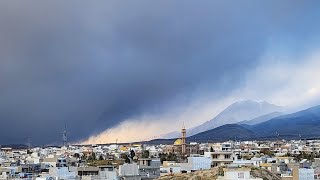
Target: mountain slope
[224, 133]
[261, 119]
[237, 112]
[306, 123]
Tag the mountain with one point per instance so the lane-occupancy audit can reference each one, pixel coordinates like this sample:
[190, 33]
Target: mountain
[305, 123]
[237, 112]
[224, 133]
[261, 118]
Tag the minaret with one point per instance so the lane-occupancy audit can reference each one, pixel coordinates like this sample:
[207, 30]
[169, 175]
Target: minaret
[183, 140]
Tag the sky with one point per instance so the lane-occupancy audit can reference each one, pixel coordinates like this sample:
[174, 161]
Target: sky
[133, 70]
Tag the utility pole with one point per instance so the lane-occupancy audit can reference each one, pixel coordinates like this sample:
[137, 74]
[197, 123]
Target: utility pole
[64, 135]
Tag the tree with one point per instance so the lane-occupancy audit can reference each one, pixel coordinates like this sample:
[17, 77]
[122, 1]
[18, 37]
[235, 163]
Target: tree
[267, 152]
[211, 149]
[101, 157]
[83, 157]
[145, 154]
[92, 157]
[172, 157]
[163, 157]
[76, 155]
[127, 160]
[132, 154]
[123, 156]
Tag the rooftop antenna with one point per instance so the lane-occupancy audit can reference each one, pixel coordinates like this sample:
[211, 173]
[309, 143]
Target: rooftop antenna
[277, 136]
[64, 135]
[29, 143]
[117, 144]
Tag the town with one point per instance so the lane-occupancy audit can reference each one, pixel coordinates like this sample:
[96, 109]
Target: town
[163, 90]
[230, 160]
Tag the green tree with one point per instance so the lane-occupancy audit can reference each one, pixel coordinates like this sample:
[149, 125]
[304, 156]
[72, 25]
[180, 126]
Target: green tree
[127, 160]
[92, 157]
[172, 157]
[83, 157]
[163, 157]
[132, 154]
[123, 156]
[211, 149]
[145, 154]
[76, 155]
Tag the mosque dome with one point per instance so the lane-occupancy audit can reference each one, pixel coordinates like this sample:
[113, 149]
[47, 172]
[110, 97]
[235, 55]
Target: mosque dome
[177, 142]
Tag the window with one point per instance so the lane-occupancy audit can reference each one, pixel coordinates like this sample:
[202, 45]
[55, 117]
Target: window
[227, 156]
[215, 156]
[215, 165]
[241, 175]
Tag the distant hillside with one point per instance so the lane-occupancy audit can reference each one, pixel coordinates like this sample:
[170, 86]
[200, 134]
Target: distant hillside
[261, 119]
[237, 112]
[14, 146]
[306, 123]
[159, 141]
[224, 133]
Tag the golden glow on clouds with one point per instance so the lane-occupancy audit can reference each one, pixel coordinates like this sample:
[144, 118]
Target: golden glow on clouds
[285, 84]
[313, 91]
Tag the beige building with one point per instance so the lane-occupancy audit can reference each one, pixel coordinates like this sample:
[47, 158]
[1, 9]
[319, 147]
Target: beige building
[220, 158]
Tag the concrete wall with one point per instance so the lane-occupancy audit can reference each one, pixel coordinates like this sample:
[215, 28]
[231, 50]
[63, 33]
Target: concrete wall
[306, 174]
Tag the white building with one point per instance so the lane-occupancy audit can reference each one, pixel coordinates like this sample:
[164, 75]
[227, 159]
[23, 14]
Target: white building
[129, 172]
[199, 162]
[306, 174]
[62, 173]
[170, 167]
[237, 174]
[109, 175]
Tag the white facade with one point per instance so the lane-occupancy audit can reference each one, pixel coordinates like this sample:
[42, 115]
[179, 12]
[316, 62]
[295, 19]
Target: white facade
[129, 170]
[62, 173]
[306, 174]
[109, 175]
[174, 169]
[253, 162]
[237, 174]
[199, 162]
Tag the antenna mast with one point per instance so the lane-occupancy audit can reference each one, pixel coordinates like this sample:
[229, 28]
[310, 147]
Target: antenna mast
[64, 135]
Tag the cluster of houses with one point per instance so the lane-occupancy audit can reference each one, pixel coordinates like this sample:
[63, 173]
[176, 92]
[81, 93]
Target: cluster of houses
[287, 160]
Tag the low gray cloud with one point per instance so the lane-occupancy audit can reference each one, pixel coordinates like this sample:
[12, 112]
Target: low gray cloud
[92, 65]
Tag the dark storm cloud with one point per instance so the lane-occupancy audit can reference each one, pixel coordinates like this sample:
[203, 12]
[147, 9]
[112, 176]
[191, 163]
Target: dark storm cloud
[92, 65]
